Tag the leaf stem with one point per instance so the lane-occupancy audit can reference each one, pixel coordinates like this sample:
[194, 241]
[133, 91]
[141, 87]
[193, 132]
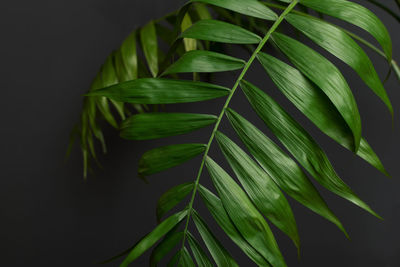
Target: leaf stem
[234, 88]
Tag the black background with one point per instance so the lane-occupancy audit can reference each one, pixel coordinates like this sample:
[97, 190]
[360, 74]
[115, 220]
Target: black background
[50, 216]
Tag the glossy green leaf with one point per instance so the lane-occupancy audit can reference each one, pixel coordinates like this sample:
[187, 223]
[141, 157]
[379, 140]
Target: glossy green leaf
[204, 61]
[368, 154]
[148, 126]
[220, 255]
[341, 45]
[162, 158]
[300, 144]
[171, 198]
[217, 210]
[202, 11]
[158, 252]
[108, 73]
[326, 75]
[249, 7]
[261, 189]
[109, 77]
[199, 255]
[102, 102]
[244, 215]
[190, 44]
[219, 31]
[104, 108]
[120, 67]
[161, 91]
[148, 38]
[150, 239]
[186, 260]
[128, 52]
[170, 241]
[355, 14]
[314, 104]
[282, 169]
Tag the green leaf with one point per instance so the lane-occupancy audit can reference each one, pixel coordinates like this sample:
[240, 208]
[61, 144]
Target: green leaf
[249, 7]
[199, 255]
[164, 247]
[171, 198]
[202, 11]
[220, 255]
[148, 126]
[186, 260]
[324, 74]
[129, 57]
[148, 37]
[244, 215]
[125, 252]
[190, 44]
[102, 102]
[214, 205]
[150, 239]
[341, 45]
[219, 31]
[204, 61]
[282, 169]
[103, 105]
[367, 153]
[108, 74]
[355, 14]
[162, 158]
[109, 77]
[314, 104]
[120, 67]
[261, 189]
[161, 91]
[300, 144]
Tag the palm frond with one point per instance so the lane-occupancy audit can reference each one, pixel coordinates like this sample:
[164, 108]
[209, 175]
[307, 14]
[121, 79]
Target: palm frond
[311, 82]
[128, 64]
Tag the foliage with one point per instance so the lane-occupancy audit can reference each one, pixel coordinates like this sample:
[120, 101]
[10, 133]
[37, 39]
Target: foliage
[127, 63]
[311, 82]
[146, 43]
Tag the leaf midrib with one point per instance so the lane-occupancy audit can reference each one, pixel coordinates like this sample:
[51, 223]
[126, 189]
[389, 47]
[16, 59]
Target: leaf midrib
[232, 92]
